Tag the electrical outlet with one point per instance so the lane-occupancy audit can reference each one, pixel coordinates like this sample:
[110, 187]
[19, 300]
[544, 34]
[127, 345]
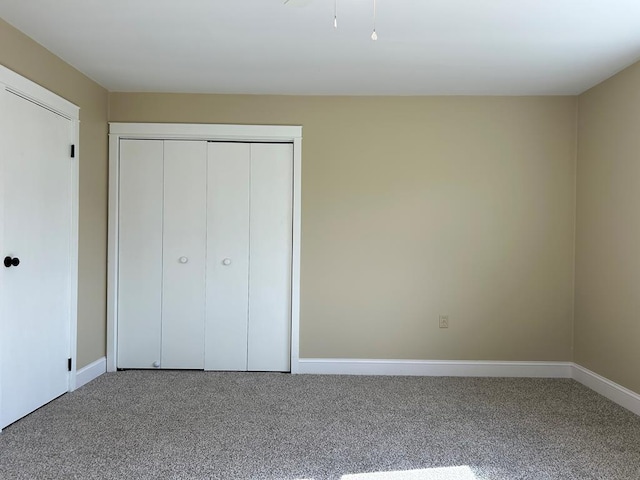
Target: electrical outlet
[444, 321]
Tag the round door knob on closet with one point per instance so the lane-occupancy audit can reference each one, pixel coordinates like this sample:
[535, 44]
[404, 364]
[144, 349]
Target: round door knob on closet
[226, 262]
[183, 259]
[156, 364]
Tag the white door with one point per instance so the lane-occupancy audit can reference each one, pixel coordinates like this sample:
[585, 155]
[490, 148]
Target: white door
[249, 248]
[227, 256]
[140, 253]
[270, 248]
[183, 254]
[36, 228]
[205, 248]
[161, 262]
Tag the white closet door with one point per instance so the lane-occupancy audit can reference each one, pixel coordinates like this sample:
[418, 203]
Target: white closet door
[140, 254]
[271, 234]
[35, 297]
[183, 257]
[227, 256]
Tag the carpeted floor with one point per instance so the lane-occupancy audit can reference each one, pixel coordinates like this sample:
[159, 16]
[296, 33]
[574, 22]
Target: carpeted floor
[204, 425]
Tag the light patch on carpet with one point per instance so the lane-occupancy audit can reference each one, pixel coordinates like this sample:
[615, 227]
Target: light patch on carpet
[443, 473]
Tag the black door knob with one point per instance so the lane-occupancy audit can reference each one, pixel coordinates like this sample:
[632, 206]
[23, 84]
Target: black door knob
[8, 261]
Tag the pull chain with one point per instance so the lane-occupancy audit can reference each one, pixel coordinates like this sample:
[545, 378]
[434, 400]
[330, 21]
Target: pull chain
[374, 35]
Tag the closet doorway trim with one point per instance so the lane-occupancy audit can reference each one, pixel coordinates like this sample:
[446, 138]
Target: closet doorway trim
[206, 132]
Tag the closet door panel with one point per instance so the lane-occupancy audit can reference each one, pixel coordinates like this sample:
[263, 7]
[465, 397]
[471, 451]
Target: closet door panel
[227, 256]
[270, 257]
[183, 260]
[140, 253]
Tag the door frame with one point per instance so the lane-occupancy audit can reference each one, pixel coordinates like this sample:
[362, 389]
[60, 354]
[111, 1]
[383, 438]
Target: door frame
[205, 132]
[13, 83]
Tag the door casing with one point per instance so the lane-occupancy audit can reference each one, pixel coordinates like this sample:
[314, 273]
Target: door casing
[207, 132]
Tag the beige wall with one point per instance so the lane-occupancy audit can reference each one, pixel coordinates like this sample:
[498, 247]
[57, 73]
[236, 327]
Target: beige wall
[607, 308]
[26, 57]
[414, 207]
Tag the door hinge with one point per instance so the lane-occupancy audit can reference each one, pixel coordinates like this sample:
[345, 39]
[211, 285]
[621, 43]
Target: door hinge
[73, 151]
[69, 365]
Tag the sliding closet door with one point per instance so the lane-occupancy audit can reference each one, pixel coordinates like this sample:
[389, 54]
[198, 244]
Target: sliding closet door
[140, 253]
[271, 234]
[228, 256]
[183, 254]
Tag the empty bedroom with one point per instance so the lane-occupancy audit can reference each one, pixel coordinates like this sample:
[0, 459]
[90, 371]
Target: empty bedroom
[320, 239]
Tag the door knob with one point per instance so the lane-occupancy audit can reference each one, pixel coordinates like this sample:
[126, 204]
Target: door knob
[156, 364]
[226, 261]
[8, 261]
[183, 259]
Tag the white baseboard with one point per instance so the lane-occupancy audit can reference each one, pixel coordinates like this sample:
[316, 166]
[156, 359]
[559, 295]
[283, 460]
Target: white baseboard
[91, 372]
[463, 368]
[605, 387]
[435, 368]
[441, 368]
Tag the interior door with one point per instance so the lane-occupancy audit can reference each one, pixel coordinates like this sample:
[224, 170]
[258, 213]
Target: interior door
[140, 253]
[227, 256]
[35, 293]
[183, 254]
[161, 264]
[249, 250]
[270, 250]
[205, 246]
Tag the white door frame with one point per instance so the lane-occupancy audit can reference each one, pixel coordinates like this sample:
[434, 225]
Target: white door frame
[13, 83]
[211, 132]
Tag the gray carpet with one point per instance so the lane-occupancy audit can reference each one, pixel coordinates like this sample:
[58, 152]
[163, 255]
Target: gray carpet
[183, 425]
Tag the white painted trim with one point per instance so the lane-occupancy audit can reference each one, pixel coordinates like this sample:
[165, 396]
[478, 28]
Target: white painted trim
[213, 132]
[436, 368]
[90, 372]
[295, 254]
[73, 267]
[605, 387]
[218, 132]
[112, 253]
[24, 87]
[469, 368]
[3, 96]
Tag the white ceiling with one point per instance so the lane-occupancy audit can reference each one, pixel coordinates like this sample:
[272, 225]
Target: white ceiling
[425, 47]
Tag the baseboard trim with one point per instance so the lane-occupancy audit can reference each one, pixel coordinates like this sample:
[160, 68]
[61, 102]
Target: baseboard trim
[468, 368]
[441, 368]
[435, 368]
[91, 372]
[605, 387]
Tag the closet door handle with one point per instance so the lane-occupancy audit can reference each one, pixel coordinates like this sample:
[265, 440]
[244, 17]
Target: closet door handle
[8, 261]
[183, 259]
[226, 262]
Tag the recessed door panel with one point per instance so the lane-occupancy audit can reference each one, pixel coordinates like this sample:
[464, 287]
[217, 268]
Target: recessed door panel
[183, 257]
[270, 246]
[227, 256]
[140, 253]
